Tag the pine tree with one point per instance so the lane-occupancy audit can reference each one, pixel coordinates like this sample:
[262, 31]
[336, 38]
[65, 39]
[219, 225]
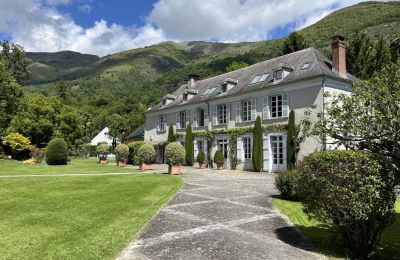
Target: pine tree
[294, 42]
[171, 135]
[291, 149]
[189, 145]
[257, 145]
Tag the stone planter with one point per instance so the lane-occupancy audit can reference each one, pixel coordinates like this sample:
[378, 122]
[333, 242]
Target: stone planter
[175, 170]
[220, 166]
[122, 164]
[202, 165]
[144, 167]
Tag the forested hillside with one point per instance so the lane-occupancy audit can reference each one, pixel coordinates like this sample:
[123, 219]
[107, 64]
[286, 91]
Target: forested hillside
[126, 83]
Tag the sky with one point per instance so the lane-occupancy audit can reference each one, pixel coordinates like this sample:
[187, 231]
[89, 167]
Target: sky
[103, 27]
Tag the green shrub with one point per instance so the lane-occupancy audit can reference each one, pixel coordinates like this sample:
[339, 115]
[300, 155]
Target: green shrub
[133, 152]
[57, 152]
[146, 153]
[171, 135]
[201, 157]
[291, 144]
[189, 146]
[19, 145]
[121, 153]
[219, 157]
[257, 158]
[37, 154]
[351, 190]
[286, 183]
[92, 150]
[175, 154]
[102, 151]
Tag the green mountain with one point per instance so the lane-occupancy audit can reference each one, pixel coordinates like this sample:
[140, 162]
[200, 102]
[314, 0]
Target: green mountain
[128, 82]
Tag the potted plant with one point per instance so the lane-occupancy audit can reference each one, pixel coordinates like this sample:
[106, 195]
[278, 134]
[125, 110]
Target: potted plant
[219, 159]
[146, 155]
[121, 154]
[102, 152]
[175, 155]
[200, 159]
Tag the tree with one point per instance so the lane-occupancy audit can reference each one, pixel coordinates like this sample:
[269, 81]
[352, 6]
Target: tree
[15, 60]
[189, 145]
[62, 90]
[395, 49]
[236, 65]
[294, 42]
[171, 135]
[382, 56]
[291, 142]
[257, 146]
[118, 127]
[10, 95]
[368, 119]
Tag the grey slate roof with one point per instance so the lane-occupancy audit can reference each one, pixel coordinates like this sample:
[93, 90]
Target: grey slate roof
[137, 132]
[319, 66]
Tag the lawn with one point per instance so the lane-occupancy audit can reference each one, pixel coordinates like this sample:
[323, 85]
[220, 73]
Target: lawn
[322, 236]
[12, 167]
[85, 217]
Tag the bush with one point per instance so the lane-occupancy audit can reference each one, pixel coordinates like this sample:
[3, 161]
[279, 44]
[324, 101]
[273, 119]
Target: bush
[37, 154]
[219, 157]
[57, 152]
[291, 143]
[133, 152]
[121, 153]
[189, 146]
[201, 157]
[351, 190]
[102, 151]
[175, 154]
[257, 157]
[146, 153]
[19, 145]
[171, 135]
[286, 183]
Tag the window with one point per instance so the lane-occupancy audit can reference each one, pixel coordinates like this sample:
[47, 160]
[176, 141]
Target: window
[276, 106]
[210, 90]
[278, 74]
[246, 108]
[305, 66]
[162, 121]
[185, 96]
[247, 147]
[182, 119]
[277, 149]
[222, 112]
[163, 102]
[201, 117]
[259, 78]
[224, 87]
[200, 146]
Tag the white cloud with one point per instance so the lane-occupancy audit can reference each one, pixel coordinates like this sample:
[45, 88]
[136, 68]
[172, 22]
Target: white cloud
[85, 8]
[39, 26]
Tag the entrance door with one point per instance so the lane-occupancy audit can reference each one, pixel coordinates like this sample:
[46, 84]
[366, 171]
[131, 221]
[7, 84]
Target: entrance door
[162, 153]
[278, 153]
[223, 146]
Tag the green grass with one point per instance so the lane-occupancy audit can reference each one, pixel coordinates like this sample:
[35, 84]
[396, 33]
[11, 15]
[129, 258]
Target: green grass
[322, 236]
[85, 217]
[12, 167]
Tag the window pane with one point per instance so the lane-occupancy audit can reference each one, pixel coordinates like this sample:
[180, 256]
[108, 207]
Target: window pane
[263, 77]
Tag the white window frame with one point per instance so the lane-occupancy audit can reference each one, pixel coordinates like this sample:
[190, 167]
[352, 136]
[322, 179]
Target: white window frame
[277, 152]
[199, 117]
[162, 120]
[280, 71]
[185, 97]
[222, 114]
[182, 120]
[247, 147]
[280, 103]
[246, 110]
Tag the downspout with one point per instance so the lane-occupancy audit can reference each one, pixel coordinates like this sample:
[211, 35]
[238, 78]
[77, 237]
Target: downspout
[323, 112]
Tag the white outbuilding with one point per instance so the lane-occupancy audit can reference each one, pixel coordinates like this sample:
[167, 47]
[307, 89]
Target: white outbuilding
[102, 137]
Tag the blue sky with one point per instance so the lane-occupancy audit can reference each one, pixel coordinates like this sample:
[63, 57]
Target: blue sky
[105, 26]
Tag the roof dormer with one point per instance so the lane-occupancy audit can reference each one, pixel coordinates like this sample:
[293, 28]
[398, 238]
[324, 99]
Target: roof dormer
[188, 94]
[282, 71]
[167, 100]
[228, 84]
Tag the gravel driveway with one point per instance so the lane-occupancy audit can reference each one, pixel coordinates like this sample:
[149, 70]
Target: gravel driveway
[220, 215]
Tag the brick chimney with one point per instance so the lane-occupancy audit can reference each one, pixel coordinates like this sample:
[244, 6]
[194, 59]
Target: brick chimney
[339, 55]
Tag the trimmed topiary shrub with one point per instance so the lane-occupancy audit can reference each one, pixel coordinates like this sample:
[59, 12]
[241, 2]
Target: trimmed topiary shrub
[146, 153]
[291, 144]
[219, 157]
[257, 146]
[20, 145]
[121, 153]
[133, 152]
[57, 152]
[351, 190]
[189, 146]
[201, 157]
[175, 154]
[286, 183]
[102, 151]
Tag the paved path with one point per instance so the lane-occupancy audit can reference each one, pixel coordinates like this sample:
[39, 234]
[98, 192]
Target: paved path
[224, 215]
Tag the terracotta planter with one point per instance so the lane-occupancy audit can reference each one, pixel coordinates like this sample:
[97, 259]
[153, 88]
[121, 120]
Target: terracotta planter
[220, 166]
[103, 162]
[121, 164]
[202, 165]
[175, 170]
[144, 167]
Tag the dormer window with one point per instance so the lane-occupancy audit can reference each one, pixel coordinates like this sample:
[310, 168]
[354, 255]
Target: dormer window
[259, 78]
[278, 74]
[163, 102]
[305, 66]
[185, 97]
[224, 87]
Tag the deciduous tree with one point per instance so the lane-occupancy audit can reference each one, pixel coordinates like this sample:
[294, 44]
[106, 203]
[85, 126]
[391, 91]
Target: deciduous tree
[294, 42]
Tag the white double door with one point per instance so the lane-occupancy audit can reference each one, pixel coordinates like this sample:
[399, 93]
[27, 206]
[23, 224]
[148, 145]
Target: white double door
[274, 152]
[223, 146]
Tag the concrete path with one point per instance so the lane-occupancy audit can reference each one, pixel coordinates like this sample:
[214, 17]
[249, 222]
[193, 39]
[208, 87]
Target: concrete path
[220, 215]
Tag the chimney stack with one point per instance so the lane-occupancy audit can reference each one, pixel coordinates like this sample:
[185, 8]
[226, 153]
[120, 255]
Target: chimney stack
[192, 79]
[339, 55]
